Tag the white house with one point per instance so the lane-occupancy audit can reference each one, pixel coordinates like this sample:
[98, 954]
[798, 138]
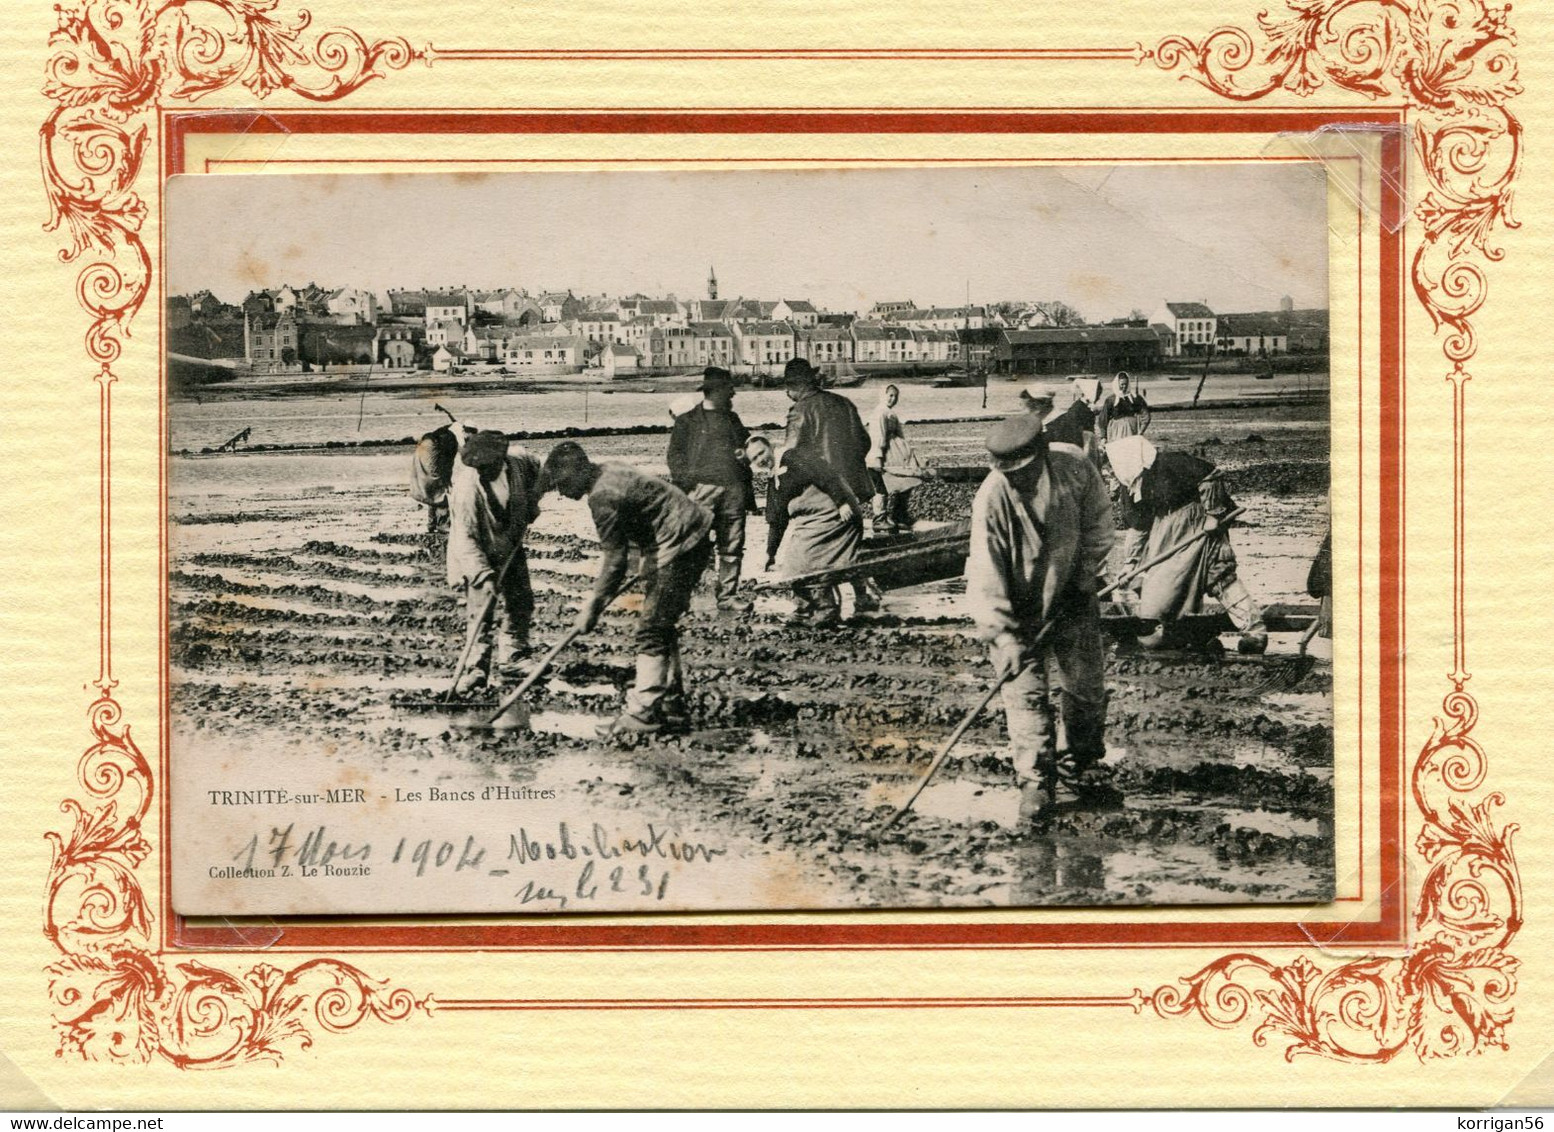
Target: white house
[942, 318]
[447, 306]
[351, 304]
[800, 313]
[1193, 324]
[619, 360]
[937, 345]
[826, 345]
[713, 344]
[444, 332]
[764, 344]
[543, 352]
[870, 342]
[1257, 334]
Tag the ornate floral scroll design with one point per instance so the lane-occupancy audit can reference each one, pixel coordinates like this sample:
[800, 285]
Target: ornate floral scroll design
[1452, 60]
[114, 64]
[1450, 994]
[114, 999]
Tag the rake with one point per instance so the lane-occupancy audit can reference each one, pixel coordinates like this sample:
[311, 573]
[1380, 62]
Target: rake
[971, 716]
[1287, 675]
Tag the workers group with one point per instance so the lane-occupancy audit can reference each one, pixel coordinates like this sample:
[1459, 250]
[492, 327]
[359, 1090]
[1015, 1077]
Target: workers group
[1043, 524]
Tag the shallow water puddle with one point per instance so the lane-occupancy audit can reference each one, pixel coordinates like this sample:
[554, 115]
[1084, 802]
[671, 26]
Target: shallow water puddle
[572, 724]
[965, 800]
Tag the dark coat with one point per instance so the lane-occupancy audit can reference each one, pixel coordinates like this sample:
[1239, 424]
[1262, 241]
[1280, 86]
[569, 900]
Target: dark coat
[827, 427]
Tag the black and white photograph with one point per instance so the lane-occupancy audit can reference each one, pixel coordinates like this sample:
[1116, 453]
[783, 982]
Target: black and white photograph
[790, 539]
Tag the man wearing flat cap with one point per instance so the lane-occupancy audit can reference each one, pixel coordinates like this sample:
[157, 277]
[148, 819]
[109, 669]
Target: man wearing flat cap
[493, 497]
[825, 428]
[707, 462]
[1041, 527]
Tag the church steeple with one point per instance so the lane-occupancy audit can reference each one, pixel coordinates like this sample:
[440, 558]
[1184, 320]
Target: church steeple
[712, 283]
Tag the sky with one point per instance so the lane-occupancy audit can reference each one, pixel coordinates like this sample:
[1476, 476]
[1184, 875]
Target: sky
[1104, 239]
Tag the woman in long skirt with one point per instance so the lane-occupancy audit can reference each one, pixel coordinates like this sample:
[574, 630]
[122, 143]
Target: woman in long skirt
[1180, 496]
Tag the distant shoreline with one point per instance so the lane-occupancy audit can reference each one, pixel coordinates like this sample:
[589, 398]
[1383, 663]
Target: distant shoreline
[573, 432]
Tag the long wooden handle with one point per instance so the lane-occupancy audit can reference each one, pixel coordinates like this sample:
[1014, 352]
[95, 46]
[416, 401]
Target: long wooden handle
[550, 658]
[1171, 552]
[479, 623]
[528, 681]
[981, 706]
[944, 751]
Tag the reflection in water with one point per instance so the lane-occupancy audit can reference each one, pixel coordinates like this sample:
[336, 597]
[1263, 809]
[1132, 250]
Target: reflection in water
[1057, 869]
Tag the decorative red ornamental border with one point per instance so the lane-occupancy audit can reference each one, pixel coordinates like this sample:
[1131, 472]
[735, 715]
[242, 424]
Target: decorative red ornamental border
[1388, 928]
[116, 63]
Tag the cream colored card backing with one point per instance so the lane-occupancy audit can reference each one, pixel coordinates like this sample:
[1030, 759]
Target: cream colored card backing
[1416, 985]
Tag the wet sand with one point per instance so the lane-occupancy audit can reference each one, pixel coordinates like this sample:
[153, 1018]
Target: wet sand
[306, 608]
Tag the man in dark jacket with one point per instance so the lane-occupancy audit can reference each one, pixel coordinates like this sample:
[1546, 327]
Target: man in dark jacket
[826, 427]
[707, 462]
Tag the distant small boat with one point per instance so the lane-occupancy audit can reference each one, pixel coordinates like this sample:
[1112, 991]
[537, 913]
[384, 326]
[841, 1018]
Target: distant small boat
[842, 376]
[961, 379]
[1178, 377]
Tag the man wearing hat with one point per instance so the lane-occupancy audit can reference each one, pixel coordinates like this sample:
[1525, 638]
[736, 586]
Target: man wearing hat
[1041, 527]
[707, 462]
[492, 499]
[825, 427]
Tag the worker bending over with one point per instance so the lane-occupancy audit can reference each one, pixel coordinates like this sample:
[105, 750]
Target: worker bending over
[1173, 497]
[1041, 527]
[669, 531]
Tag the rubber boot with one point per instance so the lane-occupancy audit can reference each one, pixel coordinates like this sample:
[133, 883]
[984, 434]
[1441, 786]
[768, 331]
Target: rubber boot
[817, 607]
[1246, 615]
[729, 600]
[1083, 774]
[1028, 715]
[476, 674]
[898, 508]
[882, 522]
[512, 646]
[866, 596]
[672, 709]
[640, 712]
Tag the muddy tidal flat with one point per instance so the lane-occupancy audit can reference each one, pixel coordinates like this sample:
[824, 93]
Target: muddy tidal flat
[311, 626]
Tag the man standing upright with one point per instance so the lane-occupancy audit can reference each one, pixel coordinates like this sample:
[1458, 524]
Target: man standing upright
[707, 462]
[1041, 527]
[493, 496]
[825, 427]
[668, 529]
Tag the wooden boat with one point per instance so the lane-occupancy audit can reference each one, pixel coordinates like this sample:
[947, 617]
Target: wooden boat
[924, 556]
[961, 379]
[911, 558]
[839, 375]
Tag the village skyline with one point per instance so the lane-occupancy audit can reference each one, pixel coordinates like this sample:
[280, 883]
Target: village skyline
[1107, 241]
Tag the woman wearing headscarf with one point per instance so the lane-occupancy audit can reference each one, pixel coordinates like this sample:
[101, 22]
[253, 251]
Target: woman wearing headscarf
[893, 466]
[1174, 496]
[1124, 412]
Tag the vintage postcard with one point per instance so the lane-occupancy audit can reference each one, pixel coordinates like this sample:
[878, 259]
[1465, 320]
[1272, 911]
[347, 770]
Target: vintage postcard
[680, 558]
[841, 504]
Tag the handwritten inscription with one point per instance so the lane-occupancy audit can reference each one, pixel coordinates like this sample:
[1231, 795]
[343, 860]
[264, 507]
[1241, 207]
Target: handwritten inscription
[597, 863]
